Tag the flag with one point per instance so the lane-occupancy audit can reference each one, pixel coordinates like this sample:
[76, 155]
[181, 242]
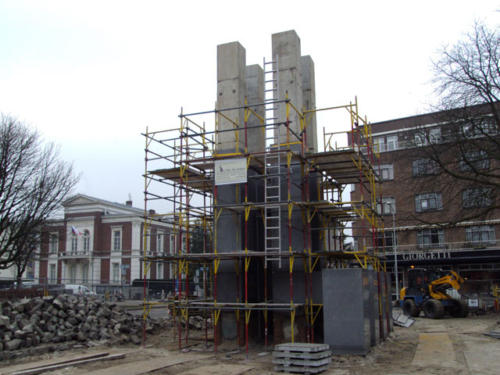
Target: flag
[75, 231]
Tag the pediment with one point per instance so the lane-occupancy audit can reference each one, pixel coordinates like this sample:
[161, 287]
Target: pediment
[79, 200]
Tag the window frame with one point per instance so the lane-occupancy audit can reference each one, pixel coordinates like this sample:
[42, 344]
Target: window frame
[428, 197]
[390, 171]
[384, 236]
[172, 244]
[424, 167]
[160, 245]
[473, 230]
[428, 232]
[74, 243]
[86, 240]
[52, 275]
[115, 272]
[53, 244]
[469, 158]
[480, 202]
[386, 202]
[114, 231]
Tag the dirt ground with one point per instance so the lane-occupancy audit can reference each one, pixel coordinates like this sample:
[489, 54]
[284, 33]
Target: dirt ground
[444, 347]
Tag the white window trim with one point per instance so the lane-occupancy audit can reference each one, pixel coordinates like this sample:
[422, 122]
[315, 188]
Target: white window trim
[112, 274]
[389, 168]
[113, 230]
[160, 241]
[56, 235]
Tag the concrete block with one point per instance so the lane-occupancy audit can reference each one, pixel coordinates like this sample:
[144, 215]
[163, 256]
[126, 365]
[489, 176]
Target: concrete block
[230, 61]
[286, 49]
[231, 91]
[286, 45]
[346, 310]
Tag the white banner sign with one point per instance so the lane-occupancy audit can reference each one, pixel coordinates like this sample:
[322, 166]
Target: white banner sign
[230, 171]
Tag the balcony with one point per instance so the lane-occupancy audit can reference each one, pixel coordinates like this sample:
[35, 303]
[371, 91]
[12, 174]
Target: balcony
[81, 254]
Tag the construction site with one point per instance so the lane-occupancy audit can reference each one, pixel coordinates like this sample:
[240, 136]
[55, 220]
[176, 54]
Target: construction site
[277, 266]
[273, 209]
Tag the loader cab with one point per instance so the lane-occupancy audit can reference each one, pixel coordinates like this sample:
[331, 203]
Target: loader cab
[419, 279]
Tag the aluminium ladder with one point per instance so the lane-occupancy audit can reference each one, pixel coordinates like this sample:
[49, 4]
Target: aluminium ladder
[272, 162]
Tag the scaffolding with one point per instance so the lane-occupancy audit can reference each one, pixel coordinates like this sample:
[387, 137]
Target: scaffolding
[180, 170]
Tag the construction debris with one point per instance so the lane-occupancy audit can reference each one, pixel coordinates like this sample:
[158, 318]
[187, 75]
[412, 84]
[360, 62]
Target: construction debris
[302, 358]
[494, 333]
[401, 319]
[56, 322]
[63, 364]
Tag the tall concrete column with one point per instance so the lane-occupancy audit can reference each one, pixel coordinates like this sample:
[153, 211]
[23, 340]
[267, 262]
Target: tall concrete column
[309, 101]
[231, 90]
[286, 49]
[255, 95]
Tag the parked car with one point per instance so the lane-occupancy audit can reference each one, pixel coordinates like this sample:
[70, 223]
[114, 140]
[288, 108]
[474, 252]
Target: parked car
[80, 290]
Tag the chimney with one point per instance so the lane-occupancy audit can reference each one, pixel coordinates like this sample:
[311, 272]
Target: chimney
[128, 203]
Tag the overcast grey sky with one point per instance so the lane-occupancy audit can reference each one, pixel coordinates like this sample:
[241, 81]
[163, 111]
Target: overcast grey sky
[90, 75]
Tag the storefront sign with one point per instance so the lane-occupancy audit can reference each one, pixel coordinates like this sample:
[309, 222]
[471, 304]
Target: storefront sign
[428, 255]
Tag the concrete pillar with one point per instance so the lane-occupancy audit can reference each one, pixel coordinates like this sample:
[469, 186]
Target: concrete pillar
[255, 95]
[309, 101]
[231, 90]
[286, 48]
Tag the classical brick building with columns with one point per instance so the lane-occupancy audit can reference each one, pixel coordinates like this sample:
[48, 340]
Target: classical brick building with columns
[101, 243]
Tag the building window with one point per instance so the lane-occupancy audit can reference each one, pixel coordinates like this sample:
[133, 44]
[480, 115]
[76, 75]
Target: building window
[159, 242]
[428, 202]
[117, 239]
[387, 206]
[86, 240]
[72, 274]
[386, 239]
[424, 167]
[52, 273]
[184, 242]
[115, 272]
[474, 160]
[148, 240]
[159, 274]
[479, 129]
[172, 244]
[74, 243]
[480, 235]
[85, 273]
[424, 137]
[430, 238]
[53, 243]
[392, 142]
[386, 172]
[476, 197]
[388, 143]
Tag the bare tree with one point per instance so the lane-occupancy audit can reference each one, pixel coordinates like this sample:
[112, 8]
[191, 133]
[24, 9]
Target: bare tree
[465, 152]
[33, 183]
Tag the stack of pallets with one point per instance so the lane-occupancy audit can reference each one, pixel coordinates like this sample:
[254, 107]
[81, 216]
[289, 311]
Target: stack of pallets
[301, 357]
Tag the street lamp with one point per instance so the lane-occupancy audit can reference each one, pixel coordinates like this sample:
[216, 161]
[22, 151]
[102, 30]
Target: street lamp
[395, 248]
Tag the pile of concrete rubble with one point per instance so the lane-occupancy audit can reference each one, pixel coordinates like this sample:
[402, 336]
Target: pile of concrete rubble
[57, 321]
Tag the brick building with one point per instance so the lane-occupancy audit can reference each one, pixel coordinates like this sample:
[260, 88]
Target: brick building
[100, 243]
[432, 219]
